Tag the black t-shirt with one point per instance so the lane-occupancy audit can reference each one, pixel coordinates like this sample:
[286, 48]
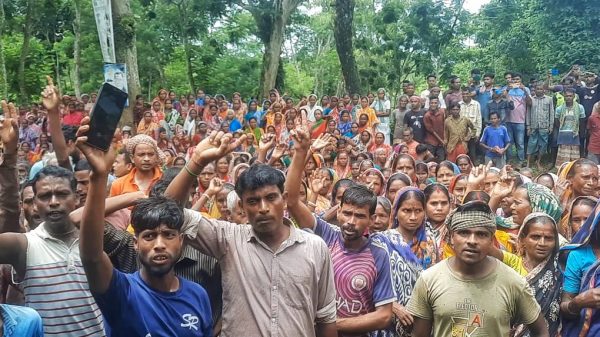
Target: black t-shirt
[588, 97]
[415, 121]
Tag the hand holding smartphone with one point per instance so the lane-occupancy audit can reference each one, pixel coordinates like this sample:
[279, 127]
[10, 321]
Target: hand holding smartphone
[105, 116]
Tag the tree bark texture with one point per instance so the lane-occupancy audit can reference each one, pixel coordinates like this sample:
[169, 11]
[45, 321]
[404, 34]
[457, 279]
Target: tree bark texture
[126, 52]
[3, 78]
[27, 31]
[271, 18]
[343, 33]
[77, 48]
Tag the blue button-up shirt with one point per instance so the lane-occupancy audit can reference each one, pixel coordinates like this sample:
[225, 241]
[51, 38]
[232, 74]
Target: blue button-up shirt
[21, 321]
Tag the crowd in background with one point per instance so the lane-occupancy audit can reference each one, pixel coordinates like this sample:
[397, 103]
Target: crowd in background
[413, 199]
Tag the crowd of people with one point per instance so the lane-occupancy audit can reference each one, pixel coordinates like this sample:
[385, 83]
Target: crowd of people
[331, 216]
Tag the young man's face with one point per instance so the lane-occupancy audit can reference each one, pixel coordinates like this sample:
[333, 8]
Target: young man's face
[539, 91]
[55, 200]
[488, 81]
[434, 104]
[431, 81]
[355, 220]
[159, 249]
[29, 209]
[264, 208]
[466, 96]
[569, 97]
[83, 182]
[494, 120]
[144, 157]
[472, 245]
[120, 166]
[455, 111]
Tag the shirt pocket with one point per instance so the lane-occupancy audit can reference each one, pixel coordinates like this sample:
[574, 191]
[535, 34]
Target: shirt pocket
[295, 290]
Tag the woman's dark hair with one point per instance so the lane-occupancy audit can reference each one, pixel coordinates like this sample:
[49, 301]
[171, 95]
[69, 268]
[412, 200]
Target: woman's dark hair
[385, 203]
[421, 165]
[545, 175]
[397, 176]
[155, 211]
[582, 201]
[453, 105]
[403, 155]
[258, 176]
[543, 220]
[447, 164]
[412, 194]
[179, 159]
[477, 196]
[54, 172]
[340, 183]
[579, 163]
[435, 187]
[359, 195]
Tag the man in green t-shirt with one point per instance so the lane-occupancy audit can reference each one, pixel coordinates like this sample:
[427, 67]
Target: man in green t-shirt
[472, 294]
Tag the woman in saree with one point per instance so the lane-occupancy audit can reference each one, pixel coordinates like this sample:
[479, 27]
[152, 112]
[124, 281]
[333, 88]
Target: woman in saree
[536, 259]
[371, 120]
[382, 108]
[319, 126]
[341, 165]
[345, 124]
[411, 249]
[380, 144]
[576, 215]
[254, 129]
[579, 309]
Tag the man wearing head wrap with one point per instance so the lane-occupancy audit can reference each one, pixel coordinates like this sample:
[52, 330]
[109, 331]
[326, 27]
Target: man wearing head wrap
[147, 159]
[471, 294]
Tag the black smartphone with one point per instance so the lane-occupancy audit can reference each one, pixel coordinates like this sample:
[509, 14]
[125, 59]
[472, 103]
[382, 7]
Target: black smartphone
[105, 116]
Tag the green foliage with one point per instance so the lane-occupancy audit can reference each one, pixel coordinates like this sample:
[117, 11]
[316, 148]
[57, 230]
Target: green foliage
[395, 40]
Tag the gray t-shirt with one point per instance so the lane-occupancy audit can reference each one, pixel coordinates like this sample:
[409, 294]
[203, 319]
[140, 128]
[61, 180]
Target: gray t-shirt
[476, 308]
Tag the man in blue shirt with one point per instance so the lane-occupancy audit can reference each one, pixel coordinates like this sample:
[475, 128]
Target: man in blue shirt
[495, 141]
[152, 301]
[20, 321]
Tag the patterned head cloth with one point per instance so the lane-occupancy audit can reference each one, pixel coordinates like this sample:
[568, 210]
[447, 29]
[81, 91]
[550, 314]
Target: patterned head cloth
[144, 139]
[475, 216]
[542, 199]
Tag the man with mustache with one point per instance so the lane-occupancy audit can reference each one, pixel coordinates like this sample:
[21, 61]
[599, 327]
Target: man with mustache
[452, 298]
[361, 267]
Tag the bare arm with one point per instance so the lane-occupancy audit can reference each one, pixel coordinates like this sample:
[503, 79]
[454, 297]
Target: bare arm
[376, 320]
[97, 265]
[51, 101]
[539, 327]
[297, 209]
[571, 304]
[113, 204]
[326, 330]
[9, 181]
[421, 328]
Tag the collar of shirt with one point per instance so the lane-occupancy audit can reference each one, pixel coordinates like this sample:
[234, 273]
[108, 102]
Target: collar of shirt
[8, 321]
[130, 177]
[295, 236]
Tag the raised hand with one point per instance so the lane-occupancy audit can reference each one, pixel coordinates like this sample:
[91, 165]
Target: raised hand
[317, 182]
[9, 129]
[51, 96]
[477, 176]
[503, 187]
[267, 141]
[215, 146]
[279, 150]
[100, 161]
[321, 142]
[301, 139]
[214, 187]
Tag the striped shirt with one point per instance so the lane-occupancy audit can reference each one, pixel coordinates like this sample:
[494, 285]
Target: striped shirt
[55, 286]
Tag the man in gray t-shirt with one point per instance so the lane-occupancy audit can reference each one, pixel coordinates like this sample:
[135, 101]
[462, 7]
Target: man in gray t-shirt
[471, 294]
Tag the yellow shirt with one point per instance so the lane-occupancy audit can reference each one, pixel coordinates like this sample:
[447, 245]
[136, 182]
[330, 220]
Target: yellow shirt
[515, 262]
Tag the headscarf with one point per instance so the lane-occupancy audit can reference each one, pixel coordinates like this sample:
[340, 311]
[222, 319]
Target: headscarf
[422, 249]
[588, 323]
[458, 219]
[546, 280]
[565, 222]
[144, 139]
[542, 199]
[381, 177]
[582, 237]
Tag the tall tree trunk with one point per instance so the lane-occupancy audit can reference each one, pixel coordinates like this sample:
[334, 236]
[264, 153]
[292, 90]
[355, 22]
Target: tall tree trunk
[77, 47]
[3, 78]
[126, 52]
[271, 18]
[27, 27]
[343, 33]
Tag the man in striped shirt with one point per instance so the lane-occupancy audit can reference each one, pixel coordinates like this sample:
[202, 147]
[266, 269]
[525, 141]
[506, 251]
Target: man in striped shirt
[47, 258]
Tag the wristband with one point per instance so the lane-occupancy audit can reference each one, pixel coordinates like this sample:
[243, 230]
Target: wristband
[190, 172]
